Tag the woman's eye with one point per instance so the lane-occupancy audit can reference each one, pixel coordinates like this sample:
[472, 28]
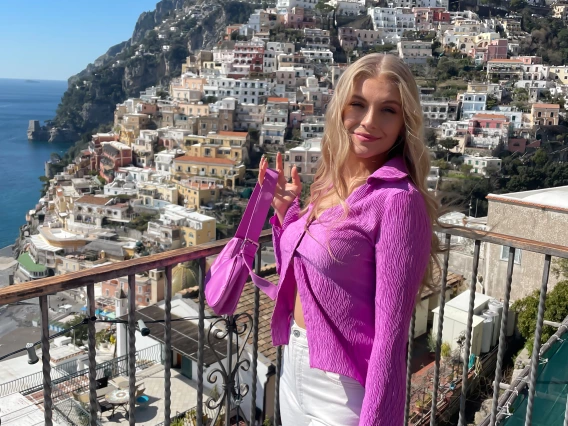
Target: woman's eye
[356, 104]
[390, 110]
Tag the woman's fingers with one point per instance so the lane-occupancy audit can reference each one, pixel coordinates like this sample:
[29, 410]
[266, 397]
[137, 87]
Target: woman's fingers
[261, 170]
[279, 163]
[296, 181]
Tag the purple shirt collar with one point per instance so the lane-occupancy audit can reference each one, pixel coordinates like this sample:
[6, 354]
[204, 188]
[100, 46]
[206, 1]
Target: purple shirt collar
[394, 169]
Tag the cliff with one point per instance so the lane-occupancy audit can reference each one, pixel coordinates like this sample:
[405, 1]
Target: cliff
[160, 43]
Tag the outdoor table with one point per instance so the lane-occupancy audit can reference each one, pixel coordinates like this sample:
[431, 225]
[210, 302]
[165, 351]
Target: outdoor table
[118, 398]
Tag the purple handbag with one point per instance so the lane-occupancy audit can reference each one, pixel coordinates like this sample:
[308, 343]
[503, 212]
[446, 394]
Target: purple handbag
[227, 276]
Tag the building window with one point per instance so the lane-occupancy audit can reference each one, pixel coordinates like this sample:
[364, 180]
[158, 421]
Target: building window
[298, 158]
[107, 292]
[505, 254]
[139, 289]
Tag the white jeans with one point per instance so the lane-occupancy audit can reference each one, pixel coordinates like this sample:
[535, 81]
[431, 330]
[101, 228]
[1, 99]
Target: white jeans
[313, 397]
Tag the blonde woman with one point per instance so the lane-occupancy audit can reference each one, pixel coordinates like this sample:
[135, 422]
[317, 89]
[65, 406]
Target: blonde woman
[352, 262]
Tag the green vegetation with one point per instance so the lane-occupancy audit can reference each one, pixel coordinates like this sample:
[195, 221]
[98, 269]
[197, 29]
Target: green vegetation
[556, 310]
[140, 223]
[535, 171]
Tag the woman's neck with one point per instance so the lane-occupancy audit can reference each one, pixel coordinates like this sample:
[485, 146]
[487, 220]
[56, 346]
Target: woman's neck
[361, 168]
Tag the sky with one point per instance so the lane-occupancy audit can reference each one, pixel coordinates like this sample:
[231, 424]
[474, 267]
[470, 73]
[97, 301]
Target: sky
[55, 39]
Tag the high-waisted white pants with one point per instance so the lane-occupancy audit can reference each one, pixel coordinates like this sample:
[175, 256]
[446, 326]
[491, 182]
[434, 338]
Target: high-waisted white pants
[313, 397]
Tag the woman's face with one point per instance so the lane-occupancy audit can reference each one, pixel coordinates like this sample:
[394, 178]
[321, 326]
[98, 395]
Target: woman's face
[373, 117]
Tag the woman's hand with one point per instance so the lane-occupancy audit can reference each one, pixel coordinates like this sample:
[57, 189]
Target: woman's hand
[285, 192]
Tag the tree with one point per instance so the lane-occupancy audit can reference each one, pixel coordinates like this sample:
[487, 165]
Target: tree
[466, 168]
[556, 310]
[518, 5]
[448, 144]
[431, 137]
[492, 102]
[81, 332]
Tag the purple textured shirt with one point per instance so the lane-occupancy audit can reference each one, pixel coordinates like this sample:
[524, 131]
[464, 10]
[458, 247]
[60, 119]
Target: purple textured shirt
[358, 280]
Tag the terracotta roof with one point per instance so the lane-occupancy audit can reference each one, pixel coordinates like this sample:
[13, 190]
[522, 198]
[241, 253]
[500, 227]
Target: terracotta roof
[556, 106]
[191, 159]
[276, 99]
[496, 116]
[514, 61]
[226, 133]
[90, 199]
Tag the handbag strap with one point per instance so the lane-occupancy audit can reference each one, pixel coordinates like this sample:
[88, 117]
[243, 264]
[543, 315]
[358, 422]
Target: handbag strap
[257, 208]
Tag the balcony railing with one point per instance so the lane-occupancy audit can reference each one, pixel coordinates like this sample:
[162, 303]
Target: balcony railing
[54, 388]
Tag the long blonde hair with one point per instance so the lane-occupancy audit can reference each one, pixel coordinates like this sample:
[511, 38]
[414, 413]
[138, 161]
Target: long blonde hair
[336, 142]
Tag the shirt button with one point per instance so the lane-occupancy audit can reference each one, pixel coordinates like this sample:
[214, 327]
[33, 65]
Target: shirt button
[296, 333]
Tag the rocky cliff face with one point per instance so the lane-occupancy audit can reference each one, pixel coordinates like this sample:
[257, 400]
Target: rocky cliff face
[160, 43]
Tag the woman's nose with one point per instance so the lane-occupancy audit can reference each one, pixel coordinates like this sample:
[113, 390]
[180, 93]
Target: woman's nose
[369, 120]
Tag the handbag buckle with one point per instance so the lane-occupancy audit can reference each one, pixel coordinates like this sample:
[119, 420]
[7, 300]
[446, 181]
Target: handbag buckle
[248, 240]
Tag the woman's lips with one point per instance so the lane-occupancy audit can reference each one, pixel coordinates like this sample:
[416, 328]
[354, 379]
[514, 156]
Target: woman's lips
[365, 138]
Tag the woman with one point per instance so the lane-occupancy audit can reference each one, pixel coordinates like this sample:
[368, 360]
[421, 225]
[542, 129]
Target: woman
[352, 262]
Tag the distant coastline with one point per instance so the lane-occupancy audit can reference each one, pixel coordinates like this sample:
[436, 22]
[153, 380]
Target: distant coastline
[31, 81]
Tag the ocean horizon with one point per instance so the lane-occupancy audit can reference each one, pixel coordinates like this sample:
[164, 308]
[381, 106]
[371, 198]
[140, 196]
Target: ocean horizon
[22, 162]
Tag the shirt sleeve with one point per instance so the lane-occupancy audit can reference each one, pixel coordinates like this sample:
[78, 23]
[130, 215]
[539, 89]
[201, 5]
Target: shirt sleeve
[402, 253]
[292, 215]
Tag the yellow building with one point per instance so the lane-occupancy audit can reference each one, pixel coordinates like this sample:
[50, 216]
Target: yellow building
[560, 11]
[194, 108]
[228, 170]
[558, 73]
[131, 125]
[159, 191]
[545, 114]
[199, 229]
[230, 145]
[188, 87]
[198, 191]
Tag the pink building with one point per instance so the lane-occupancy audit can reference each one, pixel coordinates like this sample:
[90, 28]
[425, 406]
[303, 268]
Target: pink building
[529, 60]
[480, 122]
[114, 155]
[489, 50]
[441, 16]
[298, 17]
[520, 145]
[249, 53]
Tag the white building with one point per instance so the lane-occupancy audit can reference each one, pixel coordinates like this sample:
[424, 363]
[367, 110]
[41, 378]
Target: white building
[472, 103]
[393, 21]
[246, 91]
[320, 56]
[414, 52]
[164, 161]
[483, 165]
[272, 134]
[305, 157]
[312, 127]
[289, 4]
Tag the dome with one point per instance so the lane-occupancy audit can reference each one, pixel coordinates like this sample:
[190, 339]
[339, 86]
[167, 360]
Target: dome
[183, 276]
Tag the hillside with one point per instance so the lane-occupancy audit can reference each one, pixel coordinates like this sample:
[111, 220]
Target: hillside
[160, 43]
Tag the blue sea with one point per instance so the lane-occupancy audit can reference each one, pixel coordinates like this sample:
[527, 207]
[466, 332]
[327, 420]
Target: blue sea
[21, 161]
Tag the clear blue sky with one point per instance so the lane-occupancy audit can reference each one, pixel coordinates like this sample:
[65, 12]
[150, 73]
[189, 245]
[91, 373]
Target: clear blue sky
[54, 39]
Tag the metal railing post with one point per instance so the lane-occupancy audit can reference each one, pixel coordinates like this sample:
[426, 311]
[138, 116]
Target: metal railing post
[537, 336]
[472, 285]
[91, 304]
[277, 386]
[201, 341]
[131, 349]
[257, 265]
[168, 346]
[45, 359]
[502, 337]
[409, 366]
[441, 304]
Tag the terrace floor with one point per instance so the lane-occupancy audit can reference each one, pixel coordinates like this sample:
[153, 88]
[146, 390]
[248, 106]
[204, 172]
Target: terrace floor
[184, 397]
